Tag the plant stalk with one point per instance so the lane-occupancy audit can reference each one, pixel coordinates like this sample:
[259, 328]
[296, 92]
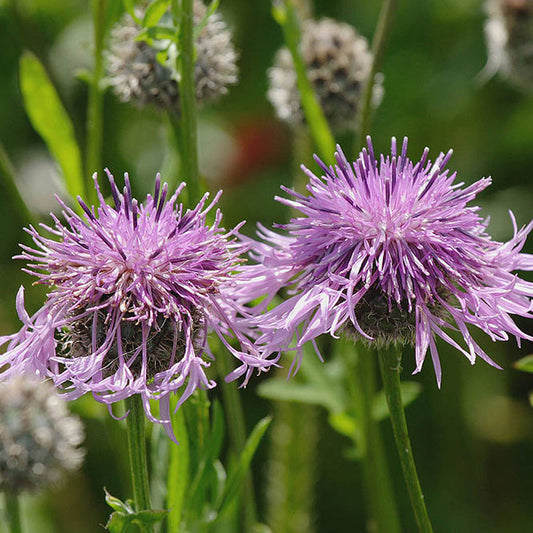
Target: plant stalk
[189, 137]
[13, 512]
[237, 429]
[287, 17]
[390, 365]
[381, 500]
[95, 105]
[379, 43]
[137, 452]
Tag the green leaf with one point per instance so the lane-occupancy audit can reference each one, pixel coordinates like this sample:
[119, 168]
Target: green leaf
[154, 12]
[118, 523]
[292, 391]
[410, 392]
[525, 364]
[178, 471]
[117, 504]
[238, 473]
[261, 528]
[157, 33]
[210, 10]
[150, 516]
[344, 423]
[51, 121]
[129, 6]
[206, 471]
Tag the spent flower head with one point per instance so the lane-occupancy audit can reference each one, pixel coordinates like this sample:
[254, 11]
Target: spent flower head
[39, 438]
[338, 64]
[134, 291]
[389, 251]
[509, 37]
[137, 75]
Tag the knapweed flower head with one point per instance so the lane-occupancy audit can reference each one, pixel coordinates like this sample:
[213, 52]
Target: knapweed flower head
[39, 438]
[134, 291]
[338, 64]
[136, 75]
[509, 37]
[389, 251]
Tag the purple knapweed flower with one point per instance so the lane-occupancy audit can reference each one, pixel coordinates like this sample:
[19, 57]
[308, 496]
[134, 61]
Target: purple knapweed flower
[135, 289]
[390, 252]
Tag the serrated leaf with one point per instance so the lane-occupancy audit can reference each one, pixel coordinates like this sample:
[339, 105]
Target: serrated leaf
[240, 469]
[410, 392]
[525, 364]
[51, 121]
[154, 12]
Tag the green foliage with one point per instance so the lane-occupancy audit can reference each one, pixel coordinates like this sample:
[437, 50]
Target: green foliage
[525, 364]
[200, 488]
[326, 385]
[51, 121]
[125, 515]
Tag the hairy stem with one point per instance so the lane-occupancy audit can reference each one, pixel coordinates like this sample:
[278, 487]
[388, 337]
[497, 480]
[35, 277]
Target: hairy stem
[390, 364]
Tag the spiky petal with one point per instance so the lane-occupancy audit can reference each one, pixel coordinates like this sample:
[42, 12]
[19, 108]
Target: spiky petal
[395, 241]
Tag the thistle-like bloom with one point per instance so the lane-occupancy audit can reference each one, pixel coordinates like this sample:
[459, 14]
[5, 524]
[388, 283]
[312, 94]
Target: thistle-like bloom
[136, 75]
[338, 63]
[39, 438]
[135, 289]
[389, 251]
[509, 36]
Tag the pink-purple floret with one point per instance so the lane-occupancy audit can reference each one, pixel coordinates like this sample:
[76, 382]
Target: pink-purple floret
[401, 230]
[405, 230]
[142, 263]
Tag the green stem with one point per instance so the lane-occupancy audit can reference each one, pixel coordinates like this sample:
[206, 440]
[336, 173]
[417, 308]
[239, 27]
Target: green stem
[390, 364]
[13, 512]
[381, 35]
[137, 452]
[95, 101]
[237, 429]
[287, 17]
[382, 504]
[189, 137]
[7, 174]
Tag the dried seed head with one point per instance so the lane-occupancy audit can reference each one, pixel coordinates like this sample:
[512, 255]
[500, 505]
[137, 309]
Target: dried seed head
[39, 438]
[338, 63]
[136, 75]
[509, 36]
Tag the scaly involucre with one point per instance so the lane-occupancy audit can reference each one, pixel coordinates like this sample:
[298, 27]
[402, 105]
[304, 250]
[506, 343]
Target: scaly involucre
[390, 252]
[135, 289]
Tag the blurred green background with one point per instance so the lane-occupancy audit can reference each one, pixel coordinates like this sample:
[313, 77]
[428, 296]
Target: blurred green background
[473, 439]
